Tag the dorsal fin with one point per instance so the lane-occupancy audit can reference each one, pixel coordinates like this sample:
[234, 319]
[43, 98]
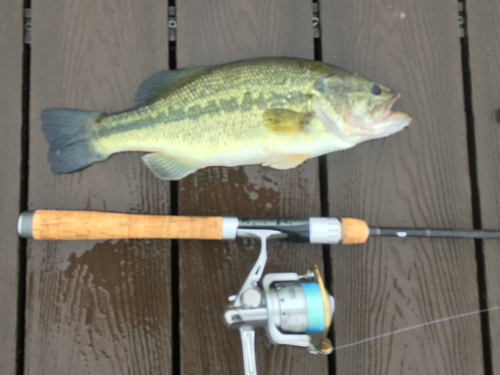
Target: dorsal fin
[152, 87]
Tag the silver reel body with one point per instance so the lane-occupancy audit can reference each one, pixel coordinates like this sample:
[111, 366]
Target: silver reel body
[286, 305]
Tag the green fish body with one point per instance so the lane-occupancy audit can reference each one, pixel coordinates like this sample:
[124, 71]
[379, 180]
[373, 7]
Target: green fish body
[277, 112]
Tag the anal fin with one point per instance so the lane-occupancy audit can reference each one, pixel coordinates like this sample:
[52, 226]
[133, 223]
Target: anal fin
[286, 163]
[166, 167]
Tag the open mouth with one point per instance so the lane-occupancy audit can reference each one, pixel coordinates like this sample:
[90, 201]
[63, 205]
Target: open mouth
[385, 109]
[385, 114]
[388, 121]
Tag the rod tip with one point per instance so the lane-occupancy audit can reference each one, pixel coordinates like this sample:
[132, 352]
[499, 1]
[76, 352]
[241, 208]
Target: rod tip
[25, 224]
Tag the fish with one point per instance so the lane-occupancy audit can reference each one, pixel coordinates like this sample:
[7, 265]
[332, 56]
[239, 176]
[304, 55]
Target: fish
[277, 112]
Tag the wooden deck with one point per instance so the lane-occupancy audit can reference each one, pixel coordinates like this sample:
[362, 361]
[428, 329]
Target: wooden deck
[155, 307]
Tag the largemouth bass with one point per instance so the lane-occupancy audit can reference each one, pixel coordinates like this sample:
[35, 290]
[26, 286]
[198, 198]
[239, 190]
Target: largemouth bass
[277, 112]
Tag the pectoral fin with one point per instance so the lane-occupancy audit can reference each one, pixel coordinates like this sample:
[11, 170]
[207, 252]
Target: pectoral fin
[286, 163]
[167, 168]
[285, 121]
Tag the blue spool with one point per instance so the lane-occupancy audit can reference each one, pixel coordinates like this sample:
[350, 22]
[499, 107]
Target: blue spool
[315, 309]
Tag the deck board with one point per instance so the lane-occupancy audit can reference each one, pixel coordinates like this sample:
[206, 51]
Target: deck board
[96, 307]
[483, 35]
[212, 33]
[418, 177]
[105, 307]
[11, 61]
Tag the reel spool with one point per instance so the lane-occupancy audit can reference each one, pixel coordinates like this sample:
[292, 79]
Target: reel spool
[288, 306]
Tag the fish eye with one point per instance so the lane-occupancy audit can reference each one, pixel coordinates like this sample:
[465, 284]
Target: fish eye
[375, 89]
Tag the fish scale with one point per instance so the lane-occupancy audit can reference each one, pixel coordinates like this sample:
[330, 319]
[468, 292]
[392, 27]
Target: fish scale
[271, 111]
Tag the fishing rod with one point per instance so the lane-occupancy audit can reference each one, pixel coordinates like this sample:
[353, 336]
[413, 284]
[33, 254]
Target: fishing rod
[290, 307]
[91, 225]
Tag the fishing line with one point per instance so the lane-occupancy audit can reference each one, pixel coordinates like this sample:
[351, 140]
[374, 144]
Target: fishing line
[401, 330]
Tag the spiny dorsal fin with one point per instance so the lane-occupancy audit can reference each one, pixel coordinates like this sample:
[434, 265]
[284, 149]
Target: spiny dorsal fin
[285, 121]
[152, 87]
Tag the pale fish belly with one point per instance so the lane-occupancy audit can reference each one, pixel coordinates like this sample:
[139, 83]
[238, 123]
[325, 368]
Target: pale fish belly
[278, 152]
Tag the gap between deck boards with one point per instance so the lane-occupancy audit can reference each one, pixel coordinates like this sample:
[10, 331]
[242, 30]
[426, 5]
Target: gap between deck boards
[23, 199]
[475, 191]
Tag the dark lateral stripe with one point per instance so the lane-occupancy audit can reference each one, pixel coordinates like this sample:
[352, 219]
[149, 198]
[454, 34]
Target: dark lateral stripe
[127, 126]
[194, 112]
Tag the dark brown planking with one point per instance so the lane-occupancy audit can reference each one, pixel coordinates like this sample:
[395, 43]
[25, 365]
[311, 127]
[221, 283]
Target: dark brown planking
[11, 61]
[96, 307]
[211, 33]
[483, 32]
[419, 177]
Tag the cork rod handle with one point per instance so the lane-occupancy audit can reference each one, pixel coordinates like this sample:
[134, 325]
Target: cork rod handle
[355, 231]
[89, 225]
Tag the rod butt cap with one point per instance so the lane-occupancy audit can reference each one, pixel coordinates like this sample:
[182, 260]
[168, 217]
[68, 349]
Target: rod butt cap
[25, 224]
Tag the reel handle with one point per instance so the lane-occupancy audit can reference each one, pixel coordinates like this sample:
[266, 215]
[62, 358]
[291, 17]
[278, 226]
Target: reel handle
[247, 335]
[89, 225]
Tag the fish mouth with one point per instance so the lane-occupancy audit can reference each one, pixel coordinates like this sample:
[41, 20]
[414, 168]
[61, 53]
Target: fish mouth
[382, 112]
[391, 121]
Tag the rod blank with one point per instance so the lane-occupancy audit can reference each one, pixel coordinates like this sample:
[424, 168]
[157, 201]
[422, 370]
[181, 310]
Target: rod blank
[436, 233]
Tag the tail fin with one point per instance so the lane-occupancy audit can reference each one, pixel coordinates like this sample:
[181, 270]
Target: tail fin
[71, 136]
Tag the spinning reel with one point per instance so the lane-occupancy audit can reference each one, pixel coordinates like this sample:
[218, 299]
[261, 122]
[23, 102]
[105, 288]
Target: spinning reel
[287, 305]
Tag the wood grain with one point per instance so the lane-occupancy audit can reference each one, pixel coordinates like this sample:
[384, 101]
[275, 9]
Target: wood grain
[91, 225]
[418, 177]
[483, 32]
[11, 62]
[96, 307]
[213, 32]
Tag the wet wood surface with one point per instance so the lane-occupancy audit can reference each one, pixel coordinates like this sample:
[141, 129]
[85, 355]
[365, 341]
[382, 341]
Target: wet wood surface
[96, 307]
[11, 62]
[209, 271]
[483, 36]
[416, 178]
